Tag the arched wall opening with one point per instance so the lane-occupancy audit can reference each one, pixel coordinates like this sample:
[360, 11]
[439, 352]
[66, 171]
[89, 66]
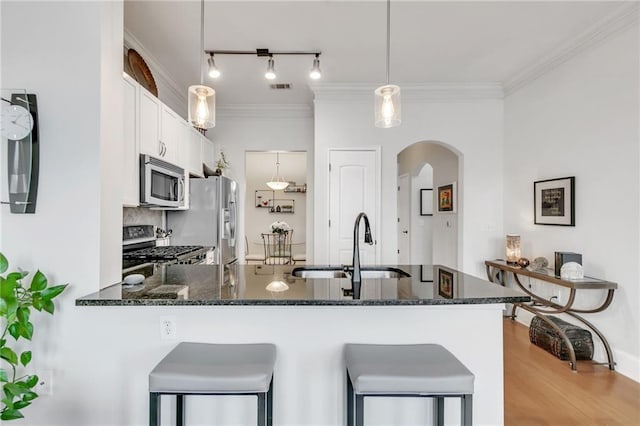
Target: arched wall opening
[431, 239]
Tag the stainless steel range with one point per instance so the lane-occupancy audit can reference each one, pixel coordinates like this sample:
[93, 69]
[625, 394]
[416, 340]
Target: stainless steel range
[139, 249]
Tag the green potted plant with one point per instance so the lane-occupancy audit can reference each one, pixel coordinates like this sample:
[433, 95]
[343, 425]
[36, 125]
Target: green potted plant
[221, 164]
[16, 304]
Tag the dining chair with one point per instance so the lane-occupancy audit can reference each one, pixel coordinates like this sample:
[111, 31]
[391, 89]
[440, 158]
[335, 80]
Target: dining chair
[251, 257]
[277, 248]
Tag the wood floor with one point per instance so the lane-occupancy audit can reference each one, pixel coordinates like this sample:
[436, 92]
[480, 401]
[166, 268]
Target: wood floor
[541, 389]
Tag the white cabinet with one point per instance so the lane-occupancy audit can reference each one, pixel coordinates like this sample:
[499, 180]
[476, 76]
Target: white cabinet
[150, 107]
[193, 140]
[208, 153]
[131, 142]
[171, 130]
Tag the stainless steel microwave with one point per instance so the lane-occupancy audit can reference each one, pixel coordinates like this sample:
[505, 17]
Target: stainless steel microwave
[161, 183]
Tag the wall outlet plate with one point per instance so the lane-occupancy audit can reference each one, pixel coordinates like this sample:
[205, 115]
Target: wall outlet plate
[168, 328]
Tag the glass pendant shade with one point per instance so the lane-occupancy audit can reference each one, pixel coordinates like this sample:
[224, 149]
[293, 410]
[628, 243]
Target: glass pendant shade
[513, 248]
[202, 106]
[271, 70]
[277, 182]
[315, 73]
[387, 106]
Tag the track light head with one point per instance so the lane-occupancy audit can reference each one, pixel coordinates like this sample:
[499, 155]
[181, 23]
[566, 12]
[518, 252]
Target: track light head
[315, 73]
[271, 70]
[214, 72]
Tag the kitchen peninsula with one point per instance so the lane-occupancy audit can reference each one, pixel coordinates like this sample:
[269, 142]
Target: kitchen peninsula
[310, 319]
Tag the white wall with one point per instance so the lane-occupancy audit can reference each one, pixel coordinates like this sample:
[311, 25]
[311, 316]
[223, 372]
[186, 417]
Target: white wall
[260, 166]
[422, 242]
[582, 120]
[268, 128]
[471, 127]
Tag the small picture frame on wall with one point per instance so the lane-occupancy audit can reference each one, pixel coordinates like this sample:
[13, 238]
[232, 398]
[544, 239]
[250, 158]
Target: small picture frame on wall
[554, 202]
[426, 202]
[447, 283]
[447, 198]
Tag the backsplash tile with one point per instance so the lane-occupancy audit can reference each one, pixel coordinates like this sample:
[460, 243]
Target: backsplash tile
[141, 216]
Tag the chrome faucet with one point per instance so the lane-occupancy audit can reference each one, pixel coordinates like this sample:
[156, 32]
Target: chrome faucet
[355, 276]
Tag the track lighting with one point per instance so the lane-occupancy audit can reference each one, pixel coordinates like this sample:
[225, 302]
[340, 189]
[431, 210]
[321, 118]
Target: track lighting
[315, 73]
[270, 74]
[271, 70]
[214, 72]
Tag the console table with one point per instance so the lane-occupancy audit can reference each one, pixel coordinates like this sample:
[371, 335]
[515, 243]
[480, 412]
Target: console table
[497, 271]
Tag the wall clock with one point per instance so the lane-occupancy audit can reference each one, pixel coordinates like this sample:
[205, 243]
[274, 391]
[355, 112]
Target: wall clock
[19, 126]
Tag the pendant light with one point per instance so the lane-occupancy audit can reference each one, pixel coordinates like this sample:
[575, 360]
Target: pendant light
[387, 105]
[277, 182]
[202, 99]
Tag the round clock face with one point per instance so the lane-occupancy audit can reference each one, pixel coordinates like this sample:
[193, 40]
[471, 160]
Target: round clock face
[17, 122]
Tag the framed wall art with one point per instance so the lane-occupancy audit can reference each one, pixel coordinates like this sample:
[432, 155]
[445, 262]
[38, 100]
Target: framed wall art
[447, 283]
[447, 198]
[426, 202]
[554, 202]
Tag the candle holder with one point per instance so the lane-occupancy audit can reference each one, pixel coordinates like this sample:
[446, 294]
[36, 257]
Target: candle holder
[513, 249]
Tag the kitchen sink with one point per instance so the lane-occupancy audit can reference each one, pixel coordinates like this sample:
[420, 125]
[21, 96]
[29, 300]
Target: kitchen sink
[365, 273]
[319, 273]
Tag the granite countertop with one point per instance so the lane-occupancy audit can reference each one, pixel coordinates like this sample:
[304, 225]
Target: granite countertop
[274, 285]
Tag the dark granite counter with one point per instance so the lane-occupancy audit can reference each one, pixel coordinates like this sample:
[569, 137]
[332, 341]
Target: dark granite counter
[274, 285]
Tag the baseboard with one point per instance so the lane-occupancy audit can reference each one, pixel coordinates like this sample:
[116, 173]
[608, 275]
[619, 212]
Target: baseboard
[626, 364]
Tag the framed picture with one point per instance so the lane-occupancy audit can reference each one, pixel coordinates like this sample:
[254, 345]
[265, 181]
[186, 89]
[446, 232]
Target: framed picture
[426, 202]
[446, 283]
[426, 273]
[554, 202]
[447, 198]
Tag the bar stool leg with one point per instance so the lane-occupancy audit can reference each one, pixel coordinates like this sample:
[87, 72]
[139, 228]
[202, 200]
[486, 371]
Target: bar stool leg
[349, 401]
[262, 421]
[467, 410]
[270, 404]
[154, 409]
[359, 410]
[438, 410]
[180, 410]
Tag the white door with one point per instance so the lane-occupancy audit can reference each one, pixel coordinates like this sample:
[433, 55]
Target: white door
[354, 186]
[404, 220]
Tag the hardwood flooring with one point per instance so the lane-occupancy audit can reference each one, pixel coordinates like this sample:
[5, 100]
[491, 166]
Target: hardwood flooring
[541, 390]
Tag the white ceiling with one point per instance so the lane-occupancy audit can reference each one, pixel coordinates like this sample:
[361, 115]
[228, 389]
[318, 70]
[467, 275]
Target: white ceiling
[451, 41]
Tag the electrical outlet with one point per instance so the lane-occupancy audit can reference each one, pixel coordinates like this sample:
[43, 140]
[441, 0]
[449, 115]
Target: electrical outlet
[45, 382]
[168, 329]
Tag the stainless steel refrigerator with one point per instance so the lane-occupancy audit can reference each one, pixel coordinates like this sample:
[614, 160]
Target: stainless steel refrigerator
[211, 218]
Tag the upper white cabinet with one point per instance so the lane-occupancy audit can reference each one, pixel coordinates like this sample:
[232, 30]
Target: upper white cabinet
[160, 129]
[194, 150]
[208, 153]
[131, 141]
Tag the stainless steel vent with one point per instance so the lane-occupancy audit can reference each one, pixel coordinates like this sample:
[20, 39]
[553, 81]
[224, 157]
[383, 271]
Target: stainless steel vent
[280, 86]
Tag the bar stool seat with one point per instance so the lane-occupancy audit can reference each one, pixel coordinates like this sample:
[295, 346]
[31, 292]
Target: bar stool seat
[427, 370]
[214, 369]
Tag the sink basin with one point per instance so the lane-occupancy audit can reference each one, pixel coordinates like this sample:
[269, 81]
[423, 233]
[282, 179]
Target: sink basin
[383, 273]
[319, 273]
[365, 273]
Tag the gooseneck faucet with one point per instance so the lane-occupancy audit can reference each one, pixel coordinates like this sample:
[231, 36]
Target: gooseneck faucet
[356, 276]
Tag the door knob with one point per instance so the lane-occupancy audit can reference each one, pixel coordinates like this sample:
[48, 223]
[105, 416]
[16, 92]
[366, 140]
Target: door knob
[405, 232]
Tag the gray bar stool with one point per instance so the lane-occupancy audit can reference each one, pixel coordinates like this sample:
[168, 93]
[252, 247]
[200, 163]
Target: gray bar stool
[426, 370]
[214, 369]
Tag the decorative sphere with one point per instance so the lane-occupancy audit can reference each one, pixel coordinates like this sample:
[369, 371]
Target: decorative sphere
[523, 262]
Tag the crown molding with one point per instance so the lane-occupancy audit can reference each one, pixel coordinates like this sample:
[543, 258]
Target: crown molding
[264, 111]
[131, 42]
[622, 18]
[410, 92]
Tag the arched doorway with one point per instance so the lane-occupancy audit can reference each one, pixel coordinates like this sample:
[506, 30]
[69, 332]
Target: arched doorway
[432, 233]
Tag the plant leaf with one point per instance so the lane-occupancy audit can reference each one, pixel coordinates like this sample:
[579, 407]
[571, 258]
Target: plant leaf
[17, 275]
[7, 287]
[26, 330]
[48, 306]
[32, 381]
[25, 358]
[15, 389]
[9, 355]
[23, 314]
[14, 330]
[11, 415]
[39, 282]
[37, 302]
[52, 292]
[3, 376]
[29, 396]
[19, 405]
[3, 307]
[4, 264]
